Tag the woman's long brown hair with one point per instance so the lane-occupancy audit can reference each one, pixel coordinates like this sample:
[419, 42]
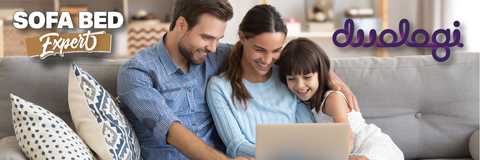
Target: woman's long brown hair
[303, 56]
[260, 19]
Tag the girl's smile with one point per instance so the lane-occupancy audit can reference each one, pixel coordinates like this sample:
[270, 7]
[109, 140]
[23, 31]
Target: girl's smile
[303, 85]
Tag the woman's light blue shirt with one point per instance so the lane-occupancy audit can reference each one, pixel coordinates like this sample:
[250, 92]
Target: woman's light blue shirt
[272, 102]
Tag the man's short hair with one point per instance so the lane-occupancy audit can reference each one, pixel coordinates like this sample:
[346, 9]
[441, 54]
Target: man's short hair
[191, 10]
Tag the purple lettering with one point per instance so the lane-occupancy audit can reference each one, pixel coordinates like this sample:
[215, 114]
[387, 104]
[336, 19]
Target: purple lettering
[360, 38]
[372, 37]
[447, 54]
[404, 28]
[391, 44]
[446, 33]
[414, 42]
[348, 25]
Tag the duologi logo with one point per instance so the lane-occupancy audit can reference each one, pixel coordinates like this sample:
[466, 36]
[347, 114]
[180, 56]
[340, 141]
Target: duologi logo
[404, 27]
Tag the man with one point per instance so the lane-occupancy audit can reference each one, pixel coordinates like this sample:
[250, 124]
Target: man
[163, 86]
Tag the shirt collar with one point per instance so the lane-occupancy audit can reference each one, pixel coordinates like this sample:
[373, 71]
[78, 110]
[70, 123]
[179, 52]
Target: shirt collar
[167, 61]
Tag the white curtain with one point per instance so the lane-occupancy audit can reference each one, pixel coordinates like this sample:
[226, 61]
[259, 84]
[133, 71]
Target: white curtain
[433, 15]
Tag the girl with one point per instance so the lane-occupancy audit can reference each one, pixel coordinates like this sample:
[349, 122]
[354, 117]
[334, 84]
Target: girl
[304, 68]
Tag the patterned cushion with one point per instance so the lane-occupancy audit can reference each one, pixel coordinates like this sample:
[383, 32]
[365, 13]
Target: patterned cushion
[42, 135]
[98, 119]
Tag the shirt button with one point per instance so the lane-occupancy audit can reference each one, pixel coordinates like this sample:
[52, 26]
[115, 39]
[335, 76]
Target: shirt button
[193, 110]
[194, 124]
[190, 90]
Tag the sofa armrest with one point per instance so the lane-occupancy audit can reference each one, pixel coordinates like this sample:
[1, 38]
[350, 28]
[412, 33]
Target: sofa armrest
[473, 145]
[9, 149]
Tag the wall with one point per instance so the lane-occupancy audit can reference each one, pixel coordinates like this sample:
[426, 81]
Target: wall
[466, 12]
[119, 35]
[240, 8]
[161, 8]
[96, 5]
[32, 6]
[397, 10]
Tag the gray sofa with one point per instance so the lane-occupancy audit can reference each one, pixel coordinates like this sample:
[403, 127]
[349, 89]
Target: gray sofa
[430, 109]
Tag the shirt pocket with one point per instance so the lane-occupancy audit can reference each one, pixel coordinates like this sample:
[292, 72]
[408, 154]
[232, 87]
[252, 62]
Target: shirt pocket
[172, 95]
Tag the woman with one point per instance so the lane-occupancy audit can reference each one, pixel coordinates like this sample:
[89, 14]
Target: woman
[247, 90]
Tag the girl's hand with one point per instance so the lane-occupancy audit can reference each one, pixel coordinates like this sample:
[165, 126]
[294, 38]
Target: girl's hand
[362, 157]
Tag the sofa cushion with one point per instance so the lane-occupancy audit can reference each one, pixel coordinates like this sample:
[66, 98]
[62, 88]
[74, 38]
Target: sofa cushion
[42, 135]
[98, 119]
[474, 146]
[9, 149]
[45, 82]
[428, 108]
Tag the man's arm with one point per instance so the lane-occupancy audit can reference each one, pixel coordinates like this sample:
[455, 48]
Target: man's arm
[193, 147]
[337, 84]
[148, 105]
[190, 145]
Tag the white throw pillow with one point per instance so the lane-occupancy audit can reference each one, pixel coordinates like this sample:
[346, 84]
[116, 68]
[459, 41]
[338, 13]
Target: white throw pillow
[98, 119]
[42, 135]
[9, 149]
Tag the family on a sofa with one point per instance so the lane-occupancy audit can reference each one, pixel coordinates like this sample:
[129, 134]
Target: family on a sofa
[191, 97]
[165, 91]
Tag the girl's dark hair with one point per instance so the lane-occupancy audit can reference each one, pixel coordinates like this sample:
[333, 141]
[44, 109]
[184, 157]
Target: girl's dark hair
[303, 56]
[260, 19]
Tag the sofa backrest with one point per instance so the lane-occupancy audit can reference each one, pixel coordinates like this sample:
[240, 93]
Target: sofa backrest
[45, 83]
[428, 108]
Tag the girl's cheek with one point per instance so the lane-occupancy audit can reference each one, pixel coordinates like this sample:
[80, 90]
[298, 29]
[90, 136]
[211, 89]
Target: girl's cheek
[289, 86]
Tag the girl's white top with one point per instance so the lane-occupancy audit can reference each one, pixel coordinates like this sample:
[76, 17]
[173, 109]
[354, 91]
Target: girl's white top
[368, 138]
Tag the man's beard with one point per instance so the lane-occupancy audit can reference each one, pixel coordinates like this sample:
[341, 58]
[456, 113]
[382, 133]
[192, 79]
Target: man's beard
[187, 52]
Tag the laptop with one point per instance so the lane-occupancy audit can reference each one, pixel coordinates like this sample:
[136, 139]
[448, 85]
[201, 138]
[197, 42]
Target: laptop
[302, 141]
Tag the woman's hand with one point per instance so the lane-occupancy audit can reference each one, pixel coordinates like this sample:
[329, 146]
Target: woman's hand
[362, 157]
[337, 84]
